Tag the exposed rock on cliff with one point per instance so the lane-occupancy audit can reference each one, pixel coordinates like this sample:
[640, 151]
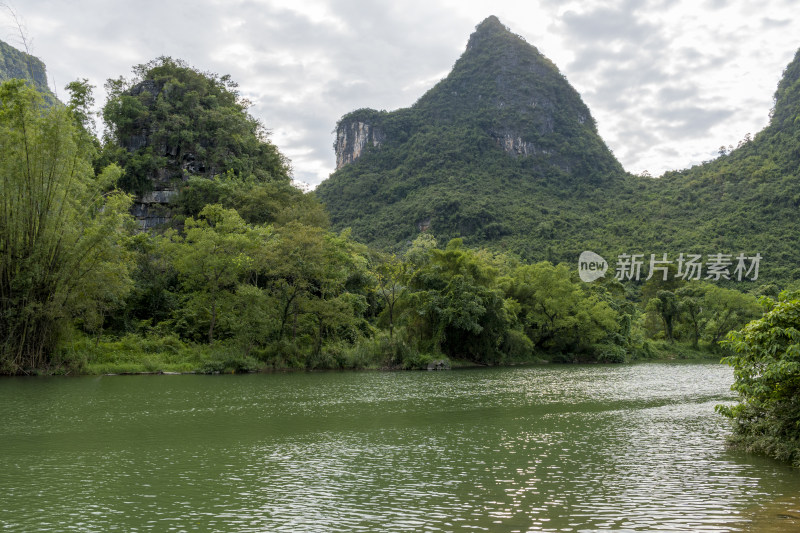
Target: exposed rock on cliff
[154, 208]
[352, 138]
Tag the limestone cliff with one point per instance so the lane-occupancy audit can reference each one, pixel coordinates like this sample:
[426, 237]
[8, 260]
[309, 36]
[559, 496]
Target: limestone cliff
[356, 132]
[352, 137]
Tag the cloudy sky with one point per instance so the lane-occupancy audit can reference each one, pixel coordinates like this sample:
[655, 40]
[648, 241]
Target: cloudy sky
[668, 81]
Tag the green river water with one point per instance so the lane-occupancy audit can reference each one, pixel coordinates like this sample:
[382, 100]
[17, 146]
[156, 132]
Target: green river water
[548, 448]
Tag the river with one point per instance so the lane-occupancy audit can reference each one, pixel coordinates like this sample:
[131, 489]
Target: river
[545, 448]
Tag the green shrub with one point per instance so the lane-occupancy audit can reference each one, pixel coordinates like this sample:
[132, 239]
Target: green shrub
[610, 353]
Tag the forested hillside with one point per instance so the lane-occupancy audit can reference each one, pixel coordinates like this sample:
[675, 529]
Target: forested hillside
[503, 153]
[498, 152]
[747, 199]
[17, 64]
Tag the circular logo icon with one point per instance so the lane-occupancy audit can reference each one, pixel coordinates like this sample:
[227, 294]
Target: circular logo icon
[591, 266]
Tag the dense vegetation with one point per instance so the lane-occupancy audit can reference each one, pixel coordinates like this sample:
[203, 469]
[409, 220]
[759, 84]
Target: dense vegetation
[766, 362]
[170, 121]
[61, 227]
[252, 278]
[249, 276]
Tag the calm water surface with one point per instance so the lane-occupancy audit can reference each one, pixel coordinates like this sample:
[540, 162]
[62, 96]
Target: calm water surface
[556, 448]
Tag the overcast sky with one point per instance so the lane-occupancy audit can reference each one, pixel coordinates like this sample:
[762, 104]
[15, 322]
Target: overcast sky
[668, 81]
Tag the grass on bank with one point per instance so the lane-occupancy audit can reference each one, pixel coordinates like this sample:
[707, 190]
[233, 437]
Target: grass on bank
[663, 350]
[133, 354]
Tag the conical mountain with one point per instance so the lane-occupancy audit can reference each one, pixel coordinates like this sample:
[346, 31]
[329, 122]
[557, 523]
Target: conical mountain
[504, 86]
[484, 155]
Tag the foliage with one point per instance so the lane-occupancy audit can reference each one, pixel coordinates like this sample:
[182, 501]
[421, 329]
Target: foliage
[60, 230]
[766, 363]
[257, 202]
[250, 276]
[211, 257]
[458, 308]
[170, 120]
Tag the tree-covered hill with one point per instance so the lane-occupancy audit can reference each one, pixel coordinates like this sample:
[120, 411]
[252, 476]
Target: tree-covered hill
[496, 151]
[746, 199]
[171, 121]
[17, 64]
[503, 153]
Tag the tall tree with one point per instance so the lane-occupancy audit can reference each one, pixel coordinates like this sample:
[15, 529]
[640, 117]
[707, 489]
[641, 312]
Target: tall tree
[212, 257]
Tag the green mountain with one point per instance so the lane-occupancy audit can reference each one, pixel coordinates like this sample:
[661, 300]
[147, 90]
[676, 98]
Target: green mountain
[745, 200]
[491, 154]
[17, 64]
[503, 153]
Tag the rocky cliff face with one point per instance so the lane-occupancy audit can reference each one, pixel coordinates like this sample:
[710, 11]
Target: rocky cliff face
[154, 208]
[352, 137]
[514, 144]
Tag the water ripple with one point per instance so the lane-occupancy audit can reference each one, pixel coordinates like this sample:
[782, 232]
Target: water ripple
[584, 448]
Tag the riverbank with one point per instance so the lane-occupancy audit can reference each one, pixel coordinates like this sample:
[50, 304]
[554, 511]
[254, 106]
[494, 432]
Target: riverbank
[135, 354]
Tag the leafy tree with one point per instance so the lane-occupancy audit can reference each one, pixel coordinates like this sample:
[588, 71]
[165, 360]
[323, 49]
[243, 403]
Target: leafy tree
[665, 306]
[392, 278]
[155, 294]
[555, 312]
[212, 257]
[60, 229]
[766, 365]
[459, 309]
[171, 119]
[694, 313]
[727, 309]
[256, 202]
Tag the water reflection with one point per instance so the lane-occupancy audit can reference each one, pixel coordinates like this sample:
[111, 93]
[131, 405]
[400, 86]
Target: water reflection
[623, 448]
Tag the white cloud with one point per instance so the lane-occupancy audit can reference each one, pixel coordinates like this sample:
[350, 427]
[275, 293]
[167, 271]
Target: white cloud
[668, 81]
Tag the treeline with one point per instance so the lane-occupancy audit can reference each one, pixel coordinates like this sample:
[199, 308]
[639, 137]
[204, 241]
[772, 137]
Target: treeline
[249, 276]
